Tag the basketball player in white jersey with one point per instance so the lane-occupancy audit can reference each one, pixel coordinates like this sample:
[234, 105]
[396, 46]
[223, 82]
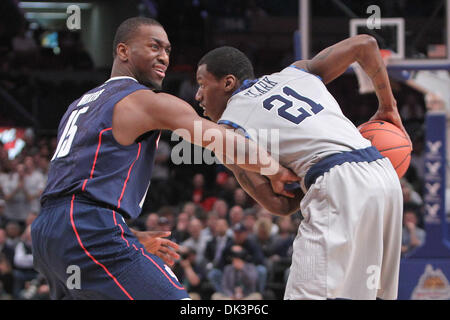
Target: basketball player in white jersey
[348, 245]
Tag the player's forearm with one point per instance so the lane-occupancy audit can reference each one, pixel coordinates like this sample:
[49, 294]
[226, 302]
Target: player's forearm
[259, 188]
[168, 112]
[231, 148]
[248, 155]
[372, 63]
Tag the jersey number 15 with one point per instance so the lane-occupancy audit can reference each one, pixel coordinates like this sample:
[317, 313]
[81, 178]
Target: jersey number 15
[65, 142]
[287, 103]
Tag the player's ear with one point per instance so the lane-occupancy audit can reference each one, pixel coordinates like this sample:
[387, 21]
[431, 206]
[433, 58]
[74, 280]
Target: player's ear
[122, 51]
[230, 83]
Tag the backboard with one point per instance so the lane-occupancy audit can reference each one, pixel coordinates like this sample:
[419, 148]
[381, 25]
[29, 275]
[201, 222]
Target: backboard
[418, 32]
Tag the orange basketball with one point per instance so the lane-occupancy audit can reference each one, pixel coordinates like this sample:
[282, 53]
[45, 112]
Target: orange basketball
[390, 141]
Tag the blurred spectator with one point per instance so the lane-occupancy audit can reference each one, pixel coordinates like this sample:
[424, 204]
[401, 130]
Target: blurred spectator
[161, 169]
[198, 182]
[160, 192]
[190, 208]
[221, 178]
[211, 223]
[151, 222]
[36, 289]
[196, 240]
[412, 236]
[249, 219]
[409, 194]
[23, 263]
[17, 205]
[263, 213]
[240, 198]
[34, 184]
[282, 242]
[227, 191]
[236, 215]
[254, 253]
[30, 218]
[280, 256]
[6, 249]
[263, 236]
[6, 278]
[43, 165]
[417, 159]
[169, 213]
[221, 207]
[13, 233]
[412, 109]
[164, 224]
[240, 278]
[3, 219]
[190, 273]
[215, 253]
[181, 232]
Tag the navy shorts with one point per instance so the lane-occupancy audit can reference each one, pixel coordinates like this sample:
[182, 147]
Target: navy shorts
[75, 237]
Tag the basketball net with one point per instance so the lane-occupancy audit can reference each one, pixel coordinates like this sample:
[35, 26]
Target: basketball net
[364, 82]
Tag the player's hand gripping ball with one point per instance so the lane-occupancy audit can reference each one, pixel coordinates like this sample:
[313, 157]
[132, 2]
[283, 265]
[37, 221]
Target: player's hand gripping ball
[390, 141]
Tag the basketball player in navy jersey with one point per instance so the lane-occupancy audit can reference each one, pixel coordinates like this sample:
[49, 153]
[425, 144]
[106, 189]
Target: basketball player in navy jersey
[348, 245]
[100, 174]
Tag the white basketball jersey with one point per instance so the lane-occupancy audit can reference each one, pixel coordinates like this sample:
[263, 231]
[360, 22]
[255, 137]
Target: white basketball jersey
[293, 115]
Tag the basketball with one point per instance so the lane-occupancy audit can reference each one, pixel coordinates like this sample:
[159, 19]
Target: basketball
[390, 141]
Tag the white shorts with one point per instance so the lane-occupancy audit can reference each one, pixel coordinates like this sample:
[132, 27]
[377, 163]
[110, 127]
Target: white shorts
[348, 245]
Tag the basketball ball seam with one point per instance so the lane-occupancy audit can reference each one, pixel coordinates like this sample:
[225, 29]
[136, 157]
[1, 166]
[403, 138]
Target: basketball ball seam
[404, 159]
[393, 148]
[396, 133]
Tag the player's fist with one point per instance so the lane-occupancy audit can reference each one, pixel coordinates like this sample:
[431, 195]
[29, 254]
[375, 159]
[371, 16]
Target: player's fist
[281, 178]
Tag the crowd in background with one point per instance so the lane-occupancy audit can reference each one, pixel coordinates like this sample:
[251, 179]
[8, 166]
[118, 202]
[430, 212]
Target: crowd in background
[231, 248]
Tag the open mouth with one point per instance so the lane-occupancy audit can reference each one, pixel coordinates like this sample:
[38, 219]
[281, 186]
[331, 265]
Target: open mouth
[160, 73]
[160, 70]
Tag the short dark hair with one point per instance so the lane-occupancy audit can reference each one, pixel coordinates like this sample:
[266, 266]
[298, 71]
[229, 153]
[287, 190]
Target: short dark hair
[228, 60]
[128, 28]
[412, 207]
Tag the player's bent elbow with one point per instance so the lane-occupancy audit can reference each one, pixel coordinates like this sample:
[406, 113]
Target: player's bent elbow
[368, 42]
[280, 208]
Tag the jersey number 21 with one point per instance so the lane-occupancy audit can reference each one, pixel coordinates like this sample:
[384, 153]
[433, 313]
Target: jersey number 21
[287, 103]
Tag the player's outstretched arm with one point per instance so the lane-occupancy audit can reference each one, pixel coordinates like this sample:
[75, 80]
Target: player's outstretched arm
[144, 111]
[333, 61]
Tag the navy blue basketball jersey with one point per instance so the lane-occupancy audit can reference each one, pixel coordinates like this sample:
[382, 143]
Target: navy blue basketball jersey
[89, 161]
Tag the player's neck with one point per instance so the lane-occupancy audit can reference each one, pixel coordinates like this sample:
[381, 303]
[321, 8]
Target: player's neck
[121, 71]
